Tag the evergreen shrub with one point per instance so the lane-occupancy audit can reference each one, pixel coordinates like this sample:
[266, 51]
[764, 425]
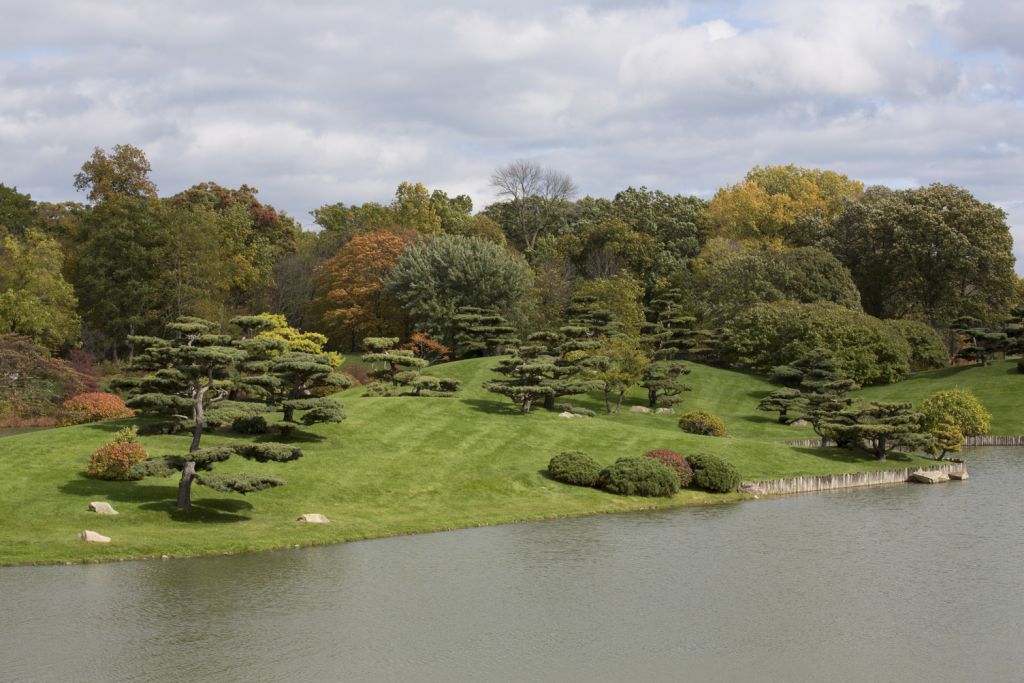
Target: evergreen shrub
[676, 462]
[701, 422]
[638, 477]
[574, 467]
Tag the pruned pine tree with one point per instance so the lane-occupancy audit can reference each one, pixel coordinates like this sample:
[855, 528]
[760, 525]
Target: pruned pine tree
[980, 344]
[482, 332]
[395, 368]
[783, 400]
[185, 376]
[823, 388]
[528, 374]
[1015, 331]
[879, 427]
[668, 338]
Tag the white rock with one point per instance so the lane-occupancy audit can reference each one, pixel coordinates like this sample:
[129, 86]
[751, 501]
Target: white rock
[928, 477]
[314, 518]
[101, 508]
[566, 414]
[798, 423]
[93, 537]
[959, 475]
[664, 411]
[639, 409]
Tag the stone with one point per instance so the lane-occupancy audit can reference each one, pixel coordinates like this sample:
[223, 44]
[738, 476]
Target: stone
[664, 411]
[567, 414]
[101, 508]
[959, 475]
[314, 518]
[639, 409]
[93, 537]
[928, 477]
[799, 423]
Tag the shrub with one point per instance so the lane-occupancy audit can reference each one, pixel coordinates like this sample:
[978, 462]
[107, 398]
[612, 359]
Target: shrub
[701, 422]
[33, 384]
[224, 413]
[115, 460]
[713, 474]
[927, 350]
[573, 467]
[676, 462]
[94, 406]
[379, 389]
[638, 477]
[966, 411]
[567, 408]
[251, 424]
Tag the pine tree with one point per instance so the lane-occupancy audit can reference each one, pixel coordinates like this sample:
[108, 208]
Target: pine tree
[947, 437]
[482, 332]
[980, 344]
[187, 375]
[528, 375]
[669, 337]
[882, 426]
[784, 401]
[823, 388]
[395, 368]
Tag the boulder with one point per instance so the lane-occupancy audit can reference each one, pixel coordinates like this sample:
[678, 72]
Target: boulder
[567, 414]
[93, 537]
[928, 477]
[664, 411]
[101, 508]
[639, 409]
[799, 423]
[959, 475]
[314, 518]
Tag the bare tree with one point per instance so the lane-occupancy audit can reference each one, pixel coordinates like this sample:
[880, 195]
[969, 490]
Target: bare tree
[533, 191]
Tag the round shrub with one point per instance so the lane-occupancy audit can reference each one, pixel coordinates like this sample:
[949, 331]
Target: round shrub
[676, 462]
[962, 406]
[573, 467]
[638, 477]
[713, 474]
[701, 422]
[927, 350]
[94, 406]
[115, 460]
[250, 424]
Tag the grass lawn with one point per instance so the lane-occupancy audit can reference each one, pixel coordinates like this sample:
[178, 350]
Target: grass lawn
[402, 465]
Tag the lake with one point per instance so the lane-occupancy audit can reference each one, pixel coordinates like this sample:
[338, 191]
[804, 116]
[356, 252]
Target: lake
[898, 583]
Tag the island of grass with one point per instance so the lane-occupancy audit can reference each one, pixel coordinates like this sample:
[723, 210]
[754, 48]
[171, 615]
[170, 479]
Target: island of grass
[401, 465]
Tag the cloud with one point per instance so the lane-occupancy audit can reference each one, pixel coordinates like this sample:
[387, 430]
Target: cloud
[317, 102]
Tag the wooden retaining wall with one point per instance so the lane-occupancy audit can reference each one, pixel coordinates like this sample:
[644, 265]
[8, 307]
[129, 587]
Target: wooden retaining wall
[828, 482]
[968, 441]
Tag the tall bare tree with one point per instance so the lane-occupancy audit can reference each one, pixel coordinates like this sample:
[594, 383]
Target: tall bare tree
[533, 191]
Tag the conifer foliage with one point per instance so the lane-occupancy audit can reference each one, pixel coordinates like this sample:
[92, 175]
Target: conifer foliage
[394, 368]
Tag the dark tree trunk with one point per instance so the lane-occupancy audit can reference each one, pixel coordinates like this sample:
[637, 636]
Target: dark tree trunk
[289, 414]
[607, 403]
[526, 405]
[549, 402]
[188, 473]
[618, 403]
[652, 397]
[881, 449]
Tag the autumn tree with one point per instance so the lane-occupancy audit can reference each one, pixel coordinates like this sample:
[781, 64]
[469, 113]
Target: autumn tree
[123, 173]
[353, 300]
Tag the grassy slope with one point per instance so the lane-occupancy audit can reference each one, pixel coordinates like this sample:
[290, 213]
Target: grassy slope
[396, 465]
[999, 386]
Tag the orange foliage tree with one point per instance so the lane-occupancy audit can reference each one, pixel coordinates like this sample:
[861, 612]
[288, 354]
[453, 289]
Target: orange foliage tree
[352, 302]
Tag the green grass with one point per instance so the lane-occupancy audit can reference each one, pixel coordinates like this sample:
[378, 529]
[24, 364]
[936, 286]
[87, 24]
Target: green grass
[396, 465]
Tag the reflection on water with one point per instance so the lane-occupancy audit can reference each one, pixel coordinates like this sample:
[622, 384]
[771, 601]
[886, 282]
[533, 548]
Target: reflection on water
[905, 583]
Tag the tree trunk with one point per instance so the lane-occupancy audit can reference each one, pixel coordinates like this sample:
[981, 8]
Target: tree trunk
[607, 403]
[652, 397]
[289, 414]
[527, 402]
[188, 473]
[549, 402]
[618, 403]
[881, 448]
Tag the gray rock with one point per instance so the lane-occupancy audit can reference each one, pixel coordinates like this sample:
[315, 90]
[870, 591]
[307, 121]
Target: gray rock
[567, 414]
[93, 537]
[101, 508]
[314, 518]
[639, 409]
[928, 477]
[798, 423]
[959, 475]
[664, 411]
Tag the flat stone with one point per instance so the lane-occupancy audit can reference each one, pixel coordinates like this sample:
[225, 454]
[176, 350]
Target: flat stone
[960, 475]
[567, 414]
[928, 477]
[639, 409]
[314, 518]
[93, 537]
[101, 508]
[798, 423]
[664, 411]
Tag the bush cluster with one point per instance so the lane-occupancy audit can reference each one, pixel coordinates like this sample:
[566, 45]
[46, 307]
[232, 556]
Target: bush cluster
[574, 467]
[966, 411]
[674, 461]
[713, 473]
[250, 424]
[94, 406]
[701, 422]
[115, 460]
[638, 476]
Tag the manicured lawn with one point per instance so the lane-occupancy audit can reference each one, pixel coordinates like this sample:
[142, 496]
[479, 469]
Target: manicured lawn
[396, 465]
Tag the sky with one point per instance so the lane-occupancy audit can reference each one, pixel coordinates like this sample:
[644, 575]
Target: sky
[320, 102]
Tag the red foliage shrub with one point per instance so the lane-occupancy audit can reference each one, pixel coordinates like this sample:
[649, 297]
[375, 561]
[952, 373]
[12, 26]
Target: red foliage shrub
[674, 461]
[85, 364]
[94, 406]
[424, 346]
[114, 460]
[32, 382]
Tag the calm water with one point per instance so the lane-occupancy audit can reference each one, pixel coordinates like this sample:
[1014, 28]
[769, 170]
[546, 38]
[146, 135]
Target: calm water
[906, 583]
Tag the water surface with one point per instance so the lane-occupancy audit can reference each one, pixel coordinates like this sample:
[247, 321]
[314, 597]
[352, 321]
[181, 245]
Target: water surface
[905, 583]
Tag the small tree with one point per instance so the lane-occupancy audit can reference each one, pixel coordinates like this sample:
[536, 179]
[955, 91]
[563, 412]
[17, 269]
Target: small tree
[401, 367]
[482, 332]
[783, 400]
[623, 364]
[947, 437]
[979, 343]
[527, 373]
[823, 389]
[186, 375]
[960, 405]
[882, 426]
[669, 337]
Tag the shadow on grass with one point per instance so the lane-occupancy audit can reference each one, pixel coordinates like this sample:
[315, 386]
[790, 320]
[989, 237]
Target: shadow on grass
[851, 455]
[493, 407]
[159, 498]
